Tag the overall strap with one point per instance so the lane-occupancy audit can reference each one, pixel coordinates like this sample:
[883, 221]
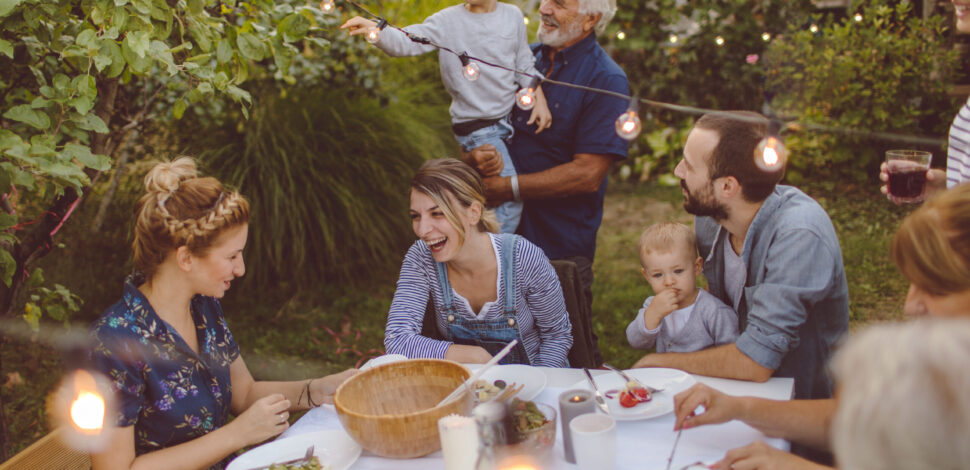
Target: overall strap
[509, 245]
[446, 293]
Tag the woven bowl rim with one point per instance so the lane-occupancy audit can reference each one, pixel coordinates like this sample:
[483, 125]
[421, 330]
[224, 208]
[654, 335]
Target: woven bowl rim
[342, 409]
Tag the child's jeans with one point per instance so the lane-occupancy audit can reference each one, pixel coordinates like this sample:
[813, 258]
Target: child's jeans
[507, 213]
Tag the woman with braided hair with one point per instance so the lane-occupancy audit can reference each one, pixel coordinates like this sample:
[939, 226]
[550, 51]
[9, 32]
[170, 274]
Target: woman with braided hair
[173, 364]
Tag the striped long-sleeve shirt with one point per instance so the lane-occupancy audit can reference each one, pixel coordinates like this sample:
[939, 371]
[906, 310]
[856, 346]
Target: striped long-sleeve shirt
[958, 152]
[540, 310]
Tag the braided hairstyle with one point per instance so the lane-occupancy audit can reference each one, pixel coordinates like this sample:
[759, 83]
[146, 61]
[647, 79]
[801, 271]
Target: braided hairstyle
[180, 208]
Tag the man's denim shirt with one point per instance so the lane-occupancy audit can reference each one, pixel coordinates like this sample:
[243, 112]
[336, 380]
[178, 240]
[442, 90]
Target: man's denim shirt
[795, 303]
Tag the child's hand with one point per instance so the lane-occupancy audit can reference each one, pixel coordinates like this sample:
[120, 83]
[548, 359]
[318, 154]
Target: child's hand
[663, 304]
[540, 113]
[358, 25]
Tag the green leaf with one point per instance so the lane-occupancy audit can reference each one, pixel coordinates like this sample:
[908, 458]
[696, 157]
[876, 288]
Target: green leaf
[9, 139]
[178, 109]
[6, 6]
[91, 122]
[250, 46]
[195, 6]
[87, 39]
[6, 48]
[139, 64]
[139, 42]
[294, 27]
[23, 113]
[8, 266]
[7, 220]
[224, 51]
[112, 50]
[238, 94]
[83, 154]
[31, 311]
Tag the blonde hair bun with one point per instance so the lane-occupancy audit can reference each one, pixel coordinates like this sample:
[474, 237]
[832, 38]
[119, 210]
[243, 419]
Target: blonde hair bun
[166, 177]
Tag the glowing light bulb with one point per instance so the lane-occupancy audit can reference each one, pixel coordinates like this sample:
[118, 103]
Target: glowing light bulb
[326, 6]
[525, 98]
[719, 41]
[471, 71]
[621, 35]
[765, 37]
[857, 17]
[628, 125]
[673, 39]
[813, 28]
[87, 411]
[771, 154]
[373, 35]
[525, 19]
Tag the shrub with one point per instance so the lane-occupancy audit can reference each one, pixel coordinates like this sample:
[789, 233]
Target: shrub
[888, 72]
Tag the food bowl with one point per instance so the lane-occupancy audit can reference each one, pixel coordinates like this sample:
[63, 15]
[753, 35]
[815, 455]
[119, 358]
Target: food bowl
[536, 442]
[392, 411]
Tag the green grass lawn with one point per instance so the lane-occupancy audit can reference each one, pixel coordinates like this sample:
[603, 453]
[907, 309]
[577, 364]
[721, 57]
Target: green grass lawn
[332, 327]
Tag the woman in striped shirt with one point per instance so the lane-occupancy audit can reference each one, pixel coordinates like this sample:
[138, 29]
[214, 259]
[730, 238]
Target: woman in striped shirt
[486, 289]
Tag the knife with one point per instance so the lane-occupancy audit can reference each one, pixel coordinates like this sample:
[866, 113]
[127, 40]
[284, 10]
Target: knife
[597, 396]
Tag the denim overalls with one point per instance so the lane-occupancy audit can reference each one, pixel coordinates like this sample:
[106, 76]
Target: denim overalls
[493, 335]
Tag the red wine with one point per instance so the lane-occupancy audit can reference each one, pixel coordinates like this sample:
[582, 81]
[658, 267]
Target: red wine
[907, 184]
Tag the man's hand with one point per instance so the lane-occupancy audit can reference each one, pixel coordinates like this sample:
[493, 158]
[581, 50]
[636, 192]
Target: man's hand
[484, 159]
[497, 190]
[663, 304]
[718, 407]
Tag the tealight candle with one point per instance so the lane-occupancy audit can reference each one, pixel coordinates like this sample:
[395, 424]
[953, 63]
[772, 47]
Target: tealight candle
[573, 403]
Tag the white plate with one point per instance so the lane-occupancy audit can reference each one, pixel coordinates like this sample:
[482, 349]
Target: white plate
[381, 360]
[334, 448]
[673, 381]
[533, 379]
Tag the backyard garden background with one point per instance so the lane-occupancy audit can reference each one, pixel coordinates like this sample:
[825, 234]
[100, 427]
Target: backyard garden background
[322, 132]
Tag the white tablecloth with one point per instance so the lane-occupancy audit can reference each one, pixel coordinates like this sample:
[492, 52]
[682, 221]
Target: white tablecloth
[641, 445]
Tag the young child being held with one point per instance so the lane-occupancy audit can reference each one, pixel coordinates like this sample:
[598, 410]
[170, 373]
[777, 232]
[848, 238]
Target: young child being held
[679, 317]
[489, 30]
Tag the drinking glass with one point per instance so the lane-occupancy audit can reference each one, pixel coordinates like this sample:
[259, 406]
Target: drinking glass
[594, 441]
[907, 174]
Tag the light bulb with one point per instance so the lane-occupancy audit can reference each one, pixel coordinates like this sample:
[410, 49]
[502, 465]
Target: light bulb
[326, 6]
[525, 98]
[87, 411]
[81, 406]
[858, 17]
[373, 35]
[673, 39]
[628, 125]
[525, 20]
[771, 154]
[471, 71]
[719, 41]
[813, 28]
[621, 35]
[765, 37]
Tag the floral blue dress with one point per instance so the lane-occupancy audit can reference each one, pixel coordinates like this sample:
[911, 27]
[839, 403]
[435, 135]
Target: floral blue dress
[167, 391]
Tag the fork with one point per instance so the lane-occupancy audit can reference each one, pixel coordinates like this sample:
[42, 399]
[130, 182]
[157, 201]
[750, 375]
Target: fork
[628, 378]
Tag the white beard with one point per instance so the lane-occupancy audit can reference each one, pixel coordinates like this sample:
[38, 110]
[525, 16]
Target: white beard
[560, 35]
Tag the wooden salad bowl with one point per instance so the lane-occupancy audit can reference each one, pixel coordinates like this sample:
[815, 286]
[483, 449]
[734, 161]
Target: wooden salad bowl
[391, 409]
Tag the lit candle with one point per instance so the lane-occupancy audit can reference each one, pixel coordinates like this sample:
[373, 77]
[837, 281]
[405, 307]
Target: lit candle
[459, 442]
[573, 403]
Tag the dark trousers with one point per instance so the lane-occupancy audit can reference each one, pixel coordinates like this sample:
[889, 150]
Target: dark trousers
[585, 266]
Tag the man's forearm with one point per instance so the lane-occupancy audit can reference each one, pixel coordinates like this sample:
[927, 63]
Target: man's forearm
[722, 361]
[583, 175]
[803, 421]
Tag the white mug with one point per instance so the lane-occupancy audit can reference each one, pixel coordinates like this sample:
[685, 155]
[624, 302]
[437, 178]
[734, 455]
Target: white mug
[594, 441]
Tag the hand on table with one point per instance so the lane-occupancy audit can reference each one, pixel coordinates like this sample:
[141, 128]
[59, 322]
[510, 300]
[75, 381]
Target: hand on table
[484, 159]
[467, 354]
[935, 182]
[323, 388]
[719, 407]
[265, 418]
[761, 456]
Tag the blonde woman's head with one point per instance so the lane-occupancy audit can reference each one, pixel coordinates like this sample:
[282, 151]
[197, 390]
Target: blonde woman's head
[457, 191]
[180, 208]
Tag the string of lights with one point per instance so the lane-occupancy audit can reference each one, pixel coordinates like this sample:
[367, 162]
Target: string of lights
[770, 154]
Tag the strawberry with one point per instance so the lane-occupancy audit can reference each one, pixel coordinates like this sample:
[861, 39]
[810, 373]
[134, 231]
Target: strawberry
[628, 400]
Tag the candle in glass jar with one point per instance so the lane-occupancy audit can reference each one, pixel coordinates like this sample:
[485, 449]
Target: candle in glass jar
[573, 403]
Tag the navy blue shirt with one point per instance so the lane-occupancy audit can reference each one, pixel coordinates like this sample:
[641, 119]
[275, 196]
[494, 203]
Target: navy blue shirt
[163, 388]
[582, 122]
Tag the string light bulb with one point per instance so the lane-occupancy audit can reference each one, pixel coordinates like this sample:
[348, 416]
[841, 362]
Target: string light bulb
[857, 17]
[469, 69]
[628, 125]
[719, 40]
[813, 28]
[525, 19]
[525, 98]
[327, 6]
[621, 35]
[771, 155]
[374, 34]
[81, 405]
[673, 39]
[766, 36]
